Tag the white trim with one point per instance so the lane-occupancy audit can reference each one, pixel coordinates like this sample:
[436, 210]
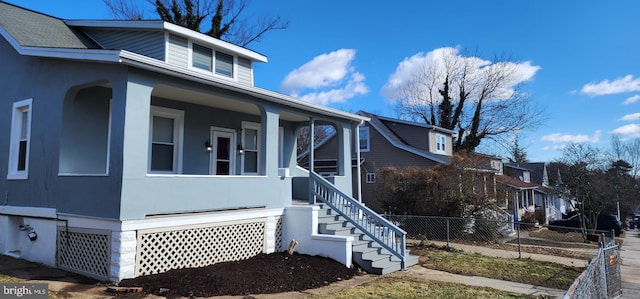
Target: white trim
[191, 219]
[17, 123]
[257, 127]
[28, 211]
[172, 28]
[232, 149]
[178, 136]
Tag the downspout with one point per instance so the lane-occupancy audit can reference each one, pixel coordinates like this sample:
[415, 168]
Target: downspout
[358, 160]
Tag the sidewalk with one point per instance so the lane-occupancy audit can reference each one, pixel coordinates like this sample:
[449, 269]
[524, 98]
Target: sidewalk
[630, 266]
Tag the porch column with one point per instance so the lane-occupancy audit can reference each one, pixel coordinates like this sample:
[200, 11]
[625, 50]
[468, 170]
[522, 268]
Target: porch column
[312, 198]
[269, 153]
[136, 128]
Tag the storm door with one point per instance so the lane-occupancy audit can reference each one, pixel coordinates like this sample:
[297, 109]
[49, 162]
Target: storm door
[223, 152]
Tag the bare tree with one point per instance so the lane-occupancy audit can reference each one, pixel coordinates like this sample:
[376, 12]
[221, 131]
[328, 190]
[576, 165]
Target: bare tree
[303, 137]
[628, 151]
[228, 18]
[477, 98]
[125, 9]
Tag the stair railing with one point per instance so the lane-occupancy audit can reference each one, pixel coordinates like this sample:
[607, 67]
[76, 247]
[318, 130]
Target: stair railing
[383, 232]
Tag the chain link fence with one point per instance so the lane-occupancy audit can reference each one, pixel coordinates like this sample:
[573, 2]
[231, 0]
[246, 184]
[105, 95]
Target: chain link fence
[601, 278]
[595, 250]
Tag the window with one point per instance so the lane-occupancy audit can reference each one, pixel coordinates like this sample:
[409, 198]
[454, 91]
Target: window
[441, 142]
[202, 57]
[370, 178]
[209, 60]
[224, 64]
[364, 139]
[165, 148]
[251, 146]
[20, 142]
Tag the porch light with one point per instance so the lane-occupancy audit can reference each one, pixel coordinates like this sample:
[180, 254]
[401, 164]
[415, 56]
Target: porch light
[240, 149]
[208, 147]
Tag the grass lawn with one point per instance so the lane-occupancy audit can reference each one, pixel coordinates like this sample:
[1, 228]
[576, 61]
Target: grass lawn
[527, 271]
[407, 288]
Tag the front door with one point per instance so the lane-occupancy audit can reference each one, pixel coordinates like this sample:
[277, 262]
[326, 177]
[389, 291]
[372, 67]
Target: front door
[222, 154]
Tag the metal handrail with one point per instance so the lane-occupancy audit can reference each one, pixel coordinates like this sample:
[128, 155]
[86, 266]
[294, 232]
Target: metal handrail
[369, 222]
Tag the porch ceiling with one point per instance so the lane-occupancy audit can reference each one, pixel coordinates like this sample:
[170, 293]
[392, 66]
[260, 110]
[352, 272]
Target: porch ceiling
[217, 101]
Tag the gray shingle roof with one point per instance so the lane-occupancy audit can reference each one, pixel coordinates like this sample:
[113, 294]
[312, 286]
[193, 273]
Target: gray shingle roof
[33, 29]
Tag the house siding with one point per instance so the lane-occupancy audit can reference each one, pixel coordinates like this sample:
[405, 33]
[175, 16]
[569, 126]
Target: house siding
[245, 73]
[382, 154]
[148, 43]
[178, 53]
[85, 195]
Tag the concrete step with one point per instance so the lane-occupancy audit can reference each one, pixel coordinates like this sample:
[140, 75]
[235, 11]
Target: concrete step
[366, 253]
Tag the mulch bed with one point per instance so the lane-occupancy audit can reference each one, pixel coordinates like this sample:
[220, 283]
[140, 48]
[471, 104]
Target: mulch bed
[262, 274]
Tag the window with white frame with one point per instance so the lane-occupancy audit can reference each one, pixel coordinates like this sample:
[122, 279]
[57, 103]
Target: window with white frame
[20, 141]
[165, 149]
[209, 60]
[370, 178]
[364, 138]
[224, 64]
[441, 144]
[251, 146]
[202, 57]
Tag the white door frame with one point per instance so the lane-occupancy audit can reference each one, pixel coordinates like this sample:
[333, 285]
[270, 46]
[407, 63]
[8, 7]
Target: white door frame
[217, 132]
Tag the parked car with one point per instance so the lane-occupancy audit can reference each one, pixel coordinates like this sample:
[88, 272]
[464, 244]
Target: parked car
[608, 222]
[567, 225]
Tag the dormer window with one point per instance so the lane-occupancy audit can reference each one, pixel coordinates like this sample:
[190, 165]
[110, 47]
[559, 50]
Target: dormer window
[202, 57]
[207, 59]
[441, 142]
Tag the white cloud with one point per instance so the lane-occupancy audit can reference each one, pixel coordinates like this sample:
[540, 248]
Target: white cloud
[567, 138]
[630, 130]
[631, 100]
[423, 66]
[631, 117]
[328, 78]
[557, 147]
[606, 87]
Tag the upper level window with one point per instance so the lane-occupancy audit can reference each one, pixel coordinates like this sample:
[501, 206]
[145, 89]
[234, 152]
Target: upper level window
[207, 59]
[224, 64]
[202, 57]
[441, 144]
[364, 138]
[20, 142]
[166, 140]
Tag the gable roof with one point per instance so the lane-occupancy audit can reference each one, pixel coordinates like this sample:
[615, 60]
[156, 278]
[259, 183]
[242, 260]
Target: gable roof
[379, 125]
[33, 29]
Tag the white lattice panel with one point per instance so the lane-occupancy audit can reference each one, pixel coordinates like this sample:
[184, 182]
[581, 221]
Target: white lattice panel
[278, 235]
[160, 251]
[87, 252]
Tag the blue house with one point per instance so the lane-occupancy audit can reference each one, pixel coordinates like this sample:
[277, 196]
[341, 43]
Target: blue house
[135, 147]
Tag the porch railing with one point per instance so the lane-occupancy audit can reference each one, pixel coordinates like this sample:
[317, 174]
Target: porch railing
[369, 222]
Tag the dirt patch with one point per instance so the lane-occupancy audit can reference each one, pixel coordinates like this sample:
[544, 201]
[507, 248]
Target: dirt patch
[262, 274]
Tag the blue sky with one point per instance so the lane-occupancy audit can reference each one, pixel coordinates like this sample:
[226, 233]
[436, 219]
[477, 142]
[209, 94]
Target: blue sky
[582, 57]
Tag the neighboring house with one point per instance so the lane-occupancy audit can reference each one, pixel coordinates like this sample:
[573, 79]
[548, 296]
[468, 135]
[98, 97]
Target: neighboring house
[528, 185]
[135, 147]
[390, 142]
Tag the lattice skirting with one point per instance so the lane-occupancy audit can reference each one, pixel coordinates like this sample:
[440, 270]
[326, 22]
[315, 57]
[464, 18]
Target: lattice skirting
[160, 250]
[84, 251]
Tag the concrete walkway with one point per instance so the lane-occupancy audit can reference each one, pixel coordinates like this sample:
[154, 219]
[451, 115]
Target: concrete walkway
[630, 266]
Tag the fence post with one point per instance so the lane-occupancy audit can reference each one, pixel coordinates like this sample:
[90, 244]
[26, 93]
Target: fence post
[448, 248]
[519, 244]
